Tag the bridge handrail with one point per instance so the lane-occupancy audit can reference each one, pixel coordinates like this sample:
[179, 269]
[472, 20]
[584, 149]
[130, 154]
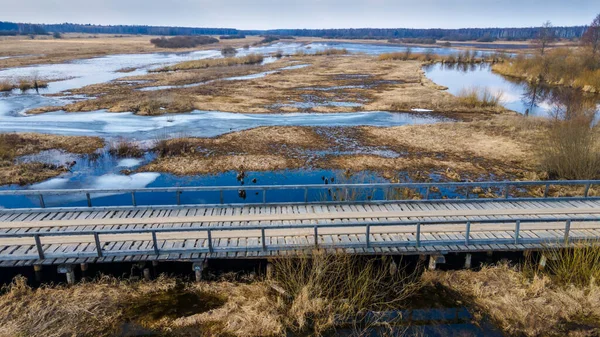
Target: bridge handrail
[262, 245]
[217, 228]
[264, 188]
[310, 186]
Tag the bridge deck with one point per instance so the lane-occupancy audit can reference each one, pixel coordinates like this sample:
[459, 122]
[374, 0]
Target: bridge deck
[142, 234]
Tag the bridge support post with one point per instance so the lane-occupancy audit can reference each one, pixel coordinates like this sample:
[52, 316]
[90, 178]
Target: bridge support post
[147, 275]
[37, 268]
[434, 260]
[543, 261]
[270, 270]
[198, 268]
[393, 267]
[69, 272]
[468, 261]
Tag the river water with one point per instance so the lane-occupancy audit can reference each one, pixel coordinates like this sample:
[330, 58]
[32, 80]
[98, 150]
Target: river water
[106, 172]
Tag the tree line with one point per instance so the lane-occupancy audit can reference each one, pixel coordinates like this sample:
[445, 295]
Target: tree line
[575, 32]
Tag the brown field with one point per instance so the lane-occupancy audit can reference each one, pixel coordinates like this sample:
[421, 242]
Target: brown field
[503, 146]
[45, 49]
[15, 145]
[387, 85]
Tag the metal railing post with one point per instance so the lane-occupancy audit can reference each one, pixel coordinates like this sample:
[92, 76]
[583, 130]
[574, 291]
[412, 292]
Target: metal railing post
[468, 233]
[210, 245]
[263, 239]
[306, 194]
[506, 190]
[427, 193]
[38, 245]
[133, 202]
[42, 203]
[89, 199]
[178, 197]
[587, 190]
[155, 243]
[418, 235]
[546, 190]
[567, 230]
[368, 236]
[316, 236]
[517, 231]
[264, 195]
[221, 197]
[98, 246]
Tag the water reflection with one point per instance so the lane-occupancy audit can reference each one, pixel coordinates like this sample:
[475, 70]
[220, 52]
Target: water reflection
[535, 99]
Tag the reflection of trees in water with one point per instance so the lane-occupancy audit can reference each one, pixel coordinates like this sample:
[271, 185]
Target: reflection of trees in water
[533, 95]
[462, 67]
[569, 103]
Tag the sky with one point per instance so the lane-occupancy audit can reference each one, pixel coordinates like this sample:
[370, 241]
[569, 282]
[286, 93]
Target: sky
[271, 14]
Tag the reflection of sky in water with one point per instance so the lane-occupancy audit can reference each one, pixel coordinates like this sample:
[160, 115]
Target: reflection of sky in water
[482, 77]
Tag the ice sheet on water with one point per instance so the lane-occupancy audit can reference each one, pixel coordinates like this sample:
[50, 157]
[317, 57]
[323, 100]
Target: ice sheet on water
[118, 181]
[129, 162]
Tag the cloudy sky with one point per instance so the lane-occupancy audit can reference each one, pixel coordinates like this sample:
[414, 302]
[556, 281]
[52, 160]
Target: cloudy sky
[267, 14]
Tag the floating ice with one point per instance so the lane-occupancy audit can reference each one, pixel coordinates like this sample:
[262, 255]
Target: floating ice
[129, 162]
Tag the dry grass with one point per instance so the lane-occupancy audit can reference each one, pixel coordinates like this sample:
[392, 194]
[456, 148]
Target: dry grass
[125, 148]
[324, 52]
[317, 290]
[525, 306]
[571, 150]
[479, 98]
[222, 62]
[79, 46]
[6, 86]
[326, 288]
[560, 66]
[259, 149]
[14, 145]
[109, 307]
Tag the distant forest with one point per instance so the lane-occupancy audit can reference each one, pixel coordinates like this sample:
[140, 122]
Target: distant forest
[10, 28]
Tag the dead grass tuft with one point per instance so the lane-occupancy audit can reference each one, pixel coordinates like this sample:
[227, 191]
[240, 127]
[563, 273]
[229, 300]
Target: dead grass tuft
[125, 148]
[479, 98]
[520, 305]
[222, 62]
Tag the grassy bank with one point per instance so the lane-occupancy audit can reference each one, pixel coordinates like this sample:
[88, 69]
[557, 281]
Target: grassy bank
[222, 62]
[23, 84]
[572, 67]
[313, 296]
[15, 145]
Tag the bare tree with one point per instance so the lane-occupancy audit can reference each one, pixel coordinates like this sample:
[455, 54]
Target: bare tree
[591, 37]
[545, 36]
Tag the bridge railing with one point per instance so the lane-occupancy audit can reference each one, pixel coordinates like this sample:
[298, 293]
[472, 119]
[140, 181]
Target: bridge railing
[331, 193]
[210, 245]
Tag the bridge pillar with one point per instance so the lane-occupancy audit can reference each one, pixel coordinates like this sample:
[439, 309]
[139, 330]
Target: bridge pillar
[147, 275]
[37, 268]
[198, 267]
[270, 270]
[468, 261]
[543, 260]
[434, 260]
[69, 272]
[393, 267]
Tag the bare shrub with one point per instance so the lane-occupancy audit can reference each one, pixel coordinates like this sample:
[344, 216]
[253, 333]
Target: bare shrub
[571, 150]
[228, 51]
[183, 41]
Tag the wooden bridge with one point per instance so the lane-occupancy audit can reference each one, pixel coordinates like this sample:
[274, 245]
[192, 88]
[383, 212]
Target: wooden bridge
[508, 220]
